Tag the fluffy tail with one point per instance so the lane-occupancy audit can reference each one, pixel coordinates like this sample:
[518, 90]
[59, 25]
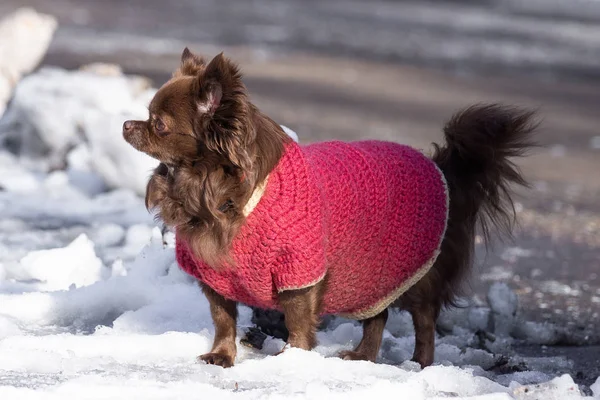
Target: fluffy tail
[476, 162]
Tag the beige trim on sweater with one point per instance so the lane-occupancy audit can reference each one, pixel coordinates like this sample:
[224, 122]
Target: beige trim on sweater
[257, 194]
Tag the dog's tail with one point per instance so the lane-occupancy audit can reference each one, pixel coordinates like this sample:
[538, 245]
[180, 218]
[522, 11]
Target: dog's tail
[476, 161]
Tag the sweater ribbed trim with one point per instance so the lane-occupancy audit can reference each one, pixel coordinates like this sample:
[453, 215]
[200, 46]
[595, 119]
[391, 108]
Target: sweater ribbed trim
[257, 194]
[313, 283]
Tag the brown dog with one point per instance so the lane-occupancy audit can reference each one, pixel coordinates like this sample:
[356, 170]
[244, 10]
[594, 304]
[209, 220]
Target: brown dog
[217, 149]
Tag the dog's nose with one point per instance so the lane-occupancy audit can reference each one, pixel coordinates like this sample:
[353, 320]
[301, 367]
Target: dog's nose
[127, 126]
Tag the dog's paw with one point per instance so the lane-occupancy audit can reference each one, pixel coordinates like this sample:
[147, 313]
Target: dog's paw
[222, 360]
[423, 361]
[353, 355]
[254, 339]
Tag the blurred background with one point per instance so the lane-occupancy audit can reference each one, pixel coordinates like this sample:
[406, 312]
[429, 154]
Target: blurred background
[397, 70]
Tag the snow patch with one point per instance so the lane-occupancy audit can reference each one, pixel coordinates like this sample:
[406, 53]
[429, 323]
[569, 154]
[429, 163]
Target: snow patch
[56, 112]
[136, 333]
[59, 269]
[497, 273]
[502, 299]
[559, 288]
[8, 328]
[512, 254]
[26, 36]
[596, 389]
[290, 133]
[14, 177]
[561, 388]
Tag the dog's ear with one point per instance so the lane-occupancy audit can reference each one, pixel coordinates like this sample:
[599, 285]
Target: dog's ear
[220, 76]
[191, 64]
[223, 110]
[186, 55]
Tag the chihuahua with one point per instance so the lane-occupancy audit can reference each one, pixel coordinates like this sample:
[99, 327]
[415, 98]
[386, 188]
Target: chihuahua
[336, 228]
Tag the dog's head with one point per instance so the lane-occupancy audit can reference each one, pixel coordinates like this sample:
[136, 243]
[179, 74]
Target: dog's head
[202, 109]
[215, 147]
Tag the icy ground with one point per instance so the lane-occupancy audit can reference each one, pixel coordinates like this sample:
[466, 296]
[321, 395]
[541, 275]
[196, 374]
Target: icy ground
[93, 306]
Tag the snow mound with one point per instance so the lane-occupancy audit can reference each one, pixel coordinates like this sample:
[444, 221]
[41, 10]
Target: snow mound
[134, 331]
[504, 303]
[596, 389]
[59, 269]
[55, 113]
[561, 388]
[14, 177]
[25, 37]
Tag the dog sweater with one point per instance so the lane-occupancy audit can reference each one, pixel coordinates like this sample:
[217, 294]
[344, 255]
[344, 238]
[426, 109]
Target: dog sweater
[367, 216]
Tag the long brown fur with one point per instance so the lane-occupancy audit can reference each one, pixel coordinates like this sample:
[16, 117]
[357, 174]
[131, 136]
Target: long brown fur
[216, 147]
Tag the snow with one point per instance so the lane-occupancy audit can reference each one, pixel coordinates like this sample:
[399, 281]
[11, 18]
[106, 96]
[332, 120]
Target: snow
[290, 133]
[502, 299]
[561, 388]
[77, 116]
[25, 37]
[512, 254]
[504, 303]
[94, 306]
[596, 389]
[13, 176]
[73, 325]
[558, 288]
[497, 273]
[76, 264]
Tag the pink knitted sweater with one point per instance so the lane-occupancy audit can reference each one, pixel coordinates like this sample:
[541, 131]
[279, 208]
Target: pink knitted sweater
[370, 215]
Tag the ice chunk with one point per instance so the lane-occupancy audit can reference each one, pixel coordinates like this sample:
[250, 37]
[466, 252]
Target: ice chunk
[59, 269]
[596, 388]
[503, 302]
[479, 318]
[537, 333]
[517, 379]
[55, 110]
[561, 388]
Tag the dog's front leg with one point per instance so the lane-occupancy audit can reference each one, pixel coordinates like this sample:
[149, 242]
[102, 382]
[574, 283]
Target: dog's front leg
[224, 315]
[301, 309]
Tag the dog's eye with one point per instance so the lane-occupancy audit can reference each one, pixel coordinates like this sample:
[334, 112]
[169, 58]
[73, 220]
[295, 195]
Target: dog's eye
[159, 126]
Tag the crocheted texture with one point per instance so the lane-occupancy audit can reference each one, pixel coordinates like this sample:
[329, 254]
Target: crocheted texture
[370, 215]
